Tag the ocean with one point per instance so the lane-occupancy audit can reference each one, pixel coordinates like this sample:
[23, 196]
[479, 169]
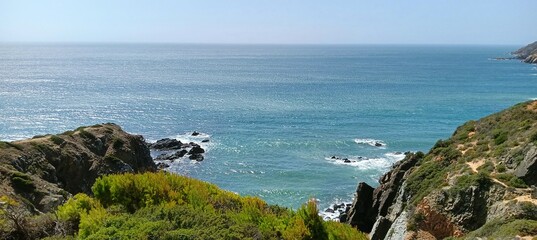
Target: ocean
[276, 115]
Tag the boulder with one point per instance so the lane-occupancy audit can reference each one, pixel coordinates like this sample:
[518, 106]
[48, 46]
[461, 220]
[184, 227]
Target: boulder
[166, 144]
[198, 157]
[195, 133]
[196, 150]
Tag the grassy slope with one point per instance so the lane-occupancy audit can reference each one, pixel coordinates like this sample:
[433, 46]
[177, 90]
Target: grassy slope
[169, 206]
[481, 154]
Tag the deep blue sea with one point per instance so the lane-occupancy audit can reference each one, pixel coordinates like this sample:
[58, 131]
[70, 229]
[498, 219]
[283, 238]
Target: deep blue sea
[274, 114]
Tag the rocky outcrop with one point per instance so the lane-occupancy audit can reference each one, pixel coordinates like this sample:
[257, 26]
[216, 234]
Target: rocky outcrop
[528, 53]
[46, 170]
[371, 206]
[172, 149]
[468, 185]
[166, 144]
[527, 169]
[360, 214]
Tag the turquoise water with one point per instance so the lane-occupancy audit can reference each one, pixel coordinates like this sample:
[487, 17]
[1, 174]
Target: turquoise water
[275, 114]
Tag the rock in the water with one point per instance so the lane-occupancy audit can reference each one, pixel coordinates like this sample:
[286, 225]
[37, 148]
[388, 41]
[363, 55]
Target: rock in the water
[197, 156]
[195, 133]
[166, 144]
[205, 140]
[329, 210]
[171, 157]
[162, 165]
[196, 150]
[181, 153]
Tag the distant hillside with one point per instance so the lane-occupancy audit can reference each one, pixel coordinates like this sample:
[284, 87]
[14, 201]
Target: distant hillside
[527, 53]
[478, 183]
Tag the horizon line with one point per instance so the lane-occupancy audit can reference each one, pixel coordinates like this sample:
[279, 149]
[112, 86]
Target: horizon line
[253, 44]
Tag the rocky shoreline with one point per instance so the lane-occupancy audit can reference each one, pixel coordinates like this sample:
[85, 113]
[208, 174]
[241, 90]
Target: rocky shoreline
[527, 54]
[168, 150]
[463, 187]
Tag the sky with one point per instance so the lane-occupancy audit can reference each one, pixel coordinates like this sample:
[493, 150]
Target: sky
[509, 22]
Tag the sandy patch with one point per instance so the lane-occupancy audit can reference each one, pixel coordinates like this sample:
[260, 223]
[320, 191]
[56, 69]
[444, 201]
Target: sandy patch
[532, 106]
[474, 165]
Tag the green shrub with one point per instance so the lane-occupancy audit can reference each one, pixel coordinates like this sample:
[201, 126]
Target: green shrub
[429, 176]
[501, 168]
[5, 145]
[56, 140]
[118, 143]
[505, 229]
[86, 134]
[168, 206]
[22, 182]
[511, 180]
[533, 137]
[487, 167]
[480, 179]
[500, 136]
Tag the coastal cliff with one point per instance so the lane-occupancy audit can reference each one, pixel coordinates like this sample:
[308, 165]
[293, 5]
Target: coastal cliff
[43, 172]
[99, 182]
[478, 183]
[528, 53]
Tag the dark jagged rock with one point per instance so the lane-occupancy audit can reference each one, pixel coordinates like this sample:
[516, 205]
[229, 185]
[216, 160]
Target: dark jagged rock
[196, 150]
[178, 154]
[195, 133]
[381, 229]
[370, 204]
[359, 214]
[197, 156]
[166, 144]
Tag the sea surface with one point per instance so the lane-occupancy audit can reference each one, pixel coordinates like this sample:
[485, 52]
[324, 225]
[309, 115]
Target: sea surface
[275, 114]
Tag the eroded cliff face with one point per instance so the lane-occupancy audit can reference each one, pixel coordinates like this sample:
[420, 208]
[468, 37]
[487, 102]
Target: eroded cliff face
[46, 170]
[478, 183]
[528, 53]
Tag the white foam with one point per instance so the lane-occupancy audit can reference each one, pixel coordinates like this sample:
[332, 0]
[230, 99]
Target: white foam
[333, 216]
[370, 142]
[187, 137]
[363, 163]
[395, 156]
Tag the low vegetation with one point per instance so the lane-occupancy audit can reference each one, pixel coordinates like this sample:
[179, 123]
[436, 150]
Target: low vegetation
[168, 206]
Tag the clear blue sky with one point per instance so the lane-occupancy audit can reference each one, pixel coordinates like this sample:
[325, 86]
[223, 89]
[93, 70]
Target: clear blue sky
[271, 21]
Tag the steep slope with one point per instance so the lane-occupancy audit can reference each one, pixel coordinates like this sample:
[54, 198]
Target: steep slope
[528, 53]
[475, 184]
[44, 171]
